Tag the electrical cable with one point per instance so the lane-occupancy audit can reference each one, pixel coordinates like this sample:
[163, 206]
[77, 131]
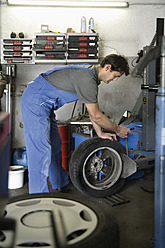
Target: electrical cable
[133, 61]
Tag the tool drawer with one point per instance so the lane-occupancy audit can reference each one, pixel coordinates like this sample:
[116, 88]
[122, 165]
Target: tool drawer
[82, 48]
[50, 47]
[50, 55]
[16, 51]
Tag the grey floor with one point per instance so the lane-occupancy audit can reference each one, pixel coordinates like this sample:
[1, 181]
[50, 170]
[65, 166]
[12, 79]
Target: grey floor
[136, 217]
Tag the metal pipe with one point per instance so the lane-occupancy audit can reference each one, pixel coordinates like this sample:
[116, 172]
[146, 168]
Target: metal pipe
[160, 170]
[159, 240]
[7, 93]
[162, 63]
[9, 85]
[10, 72]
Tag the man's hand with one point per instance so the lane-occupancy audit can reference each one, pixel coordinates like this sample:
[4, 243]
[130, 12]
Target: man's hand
[123, 132]
[109, 136]
[99, 120]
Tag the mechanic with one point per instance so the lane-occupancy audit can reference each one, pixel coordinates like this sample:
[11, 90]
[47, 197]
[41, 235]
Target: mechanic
[50, 91]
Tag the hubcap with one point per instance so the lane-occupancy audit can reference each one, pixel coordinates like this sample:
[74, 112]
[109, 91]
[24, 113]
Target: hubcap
[102, 168]
[34, 227]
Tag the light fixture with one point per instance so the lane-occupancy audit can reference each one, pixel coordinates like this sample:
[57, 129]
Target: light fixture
[84, 4]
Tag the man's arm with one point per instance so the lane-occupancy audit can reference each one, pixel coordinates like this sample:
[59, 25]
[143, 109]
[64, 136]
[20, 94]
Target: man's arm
[101, 134]
[99, 120]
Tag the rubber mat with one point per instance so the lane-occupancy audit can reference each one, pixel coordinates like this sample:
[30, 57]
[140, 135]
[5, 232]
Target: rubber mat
[116, 199]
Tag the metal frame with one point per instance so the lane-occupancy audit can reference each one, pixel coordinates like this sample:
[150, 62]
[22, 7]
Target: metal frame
[155, 53]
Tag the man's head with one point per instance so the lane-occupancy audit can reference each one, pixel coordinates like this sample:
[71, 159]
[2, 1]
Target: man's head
[117, 62]
[112, 67]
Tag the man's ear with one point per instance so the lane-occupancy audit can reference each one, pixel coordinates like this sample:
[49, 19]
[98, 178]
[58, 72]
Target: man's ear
[107, 67]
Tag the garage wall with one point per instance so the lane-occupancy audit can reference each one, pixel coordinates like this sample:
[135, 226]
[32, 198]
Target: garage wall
[123, 31]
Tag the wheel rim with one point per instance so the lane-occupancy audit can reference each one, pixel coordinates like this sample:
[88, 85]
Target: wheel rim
[34, 225]
[102, 168]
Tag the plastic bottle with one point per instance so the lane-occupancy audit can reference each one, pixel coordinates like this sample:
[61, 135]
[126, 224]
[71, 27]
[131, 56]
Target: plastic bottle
[83, 25]
[20, 157]
[91, 25]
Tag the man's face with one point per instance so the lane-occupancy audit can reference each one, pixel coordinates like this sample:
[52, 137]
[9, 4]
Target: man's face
[108, 75]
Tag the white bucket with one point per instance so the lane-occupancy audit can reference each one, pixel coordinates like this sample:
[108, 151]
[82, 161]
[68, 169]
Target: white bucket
[16, 177]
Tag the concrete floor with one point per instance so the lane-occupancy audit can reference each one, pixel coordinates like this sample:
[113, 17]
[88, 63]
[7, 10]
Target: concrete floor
[136, 217]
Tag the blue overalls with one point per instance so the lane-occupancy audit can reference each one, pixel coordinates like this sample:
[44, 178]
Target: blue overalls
[42, 138]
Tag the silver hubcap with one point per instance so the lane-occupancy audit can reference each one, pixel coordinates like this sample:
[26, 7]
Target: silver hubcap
[34, 223]
[102, 168]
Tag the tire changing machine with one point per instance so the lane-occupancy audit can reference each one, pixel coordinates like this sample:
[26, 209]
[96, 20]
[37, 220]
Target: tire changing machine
[157, 53]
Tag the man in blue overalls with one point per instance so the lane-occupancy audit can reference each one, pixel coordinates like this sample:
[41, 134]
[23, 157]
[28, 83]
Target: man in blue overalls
[48, 92]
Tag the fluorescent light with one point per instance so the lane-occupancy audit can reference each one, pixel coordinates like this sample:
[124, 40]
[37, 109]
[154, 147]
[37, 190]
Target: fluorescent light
[52, 3]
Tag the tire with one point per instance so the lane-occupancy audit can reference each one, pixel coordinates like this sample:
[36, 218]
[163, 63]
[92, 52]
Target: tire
[95, 167]
[87, 224]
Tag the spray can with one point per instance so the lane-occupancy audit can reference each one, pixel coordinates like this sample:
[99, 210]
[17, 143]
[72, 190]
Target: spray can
[83, 25]
[91, 25]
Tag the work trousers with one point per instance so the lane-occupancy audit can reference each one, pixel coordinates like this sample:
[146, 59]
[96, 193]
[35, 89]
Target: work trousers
[42, 138]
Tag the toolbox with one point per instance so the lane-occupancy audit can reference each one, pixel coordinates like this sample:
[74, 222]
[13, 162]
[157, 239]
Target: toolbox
[50, 47]
[59, 48]
[17, 51]
[82, 47]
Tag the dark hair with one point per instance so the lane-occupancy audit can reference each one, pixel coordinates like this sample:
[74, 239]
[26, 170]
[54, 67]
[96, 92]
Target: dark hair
[117, 62]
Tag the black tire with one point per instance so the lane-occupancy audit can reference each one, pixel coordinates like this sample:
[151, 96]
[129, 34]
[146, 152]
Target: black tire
[105, 234]
[97, 175]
